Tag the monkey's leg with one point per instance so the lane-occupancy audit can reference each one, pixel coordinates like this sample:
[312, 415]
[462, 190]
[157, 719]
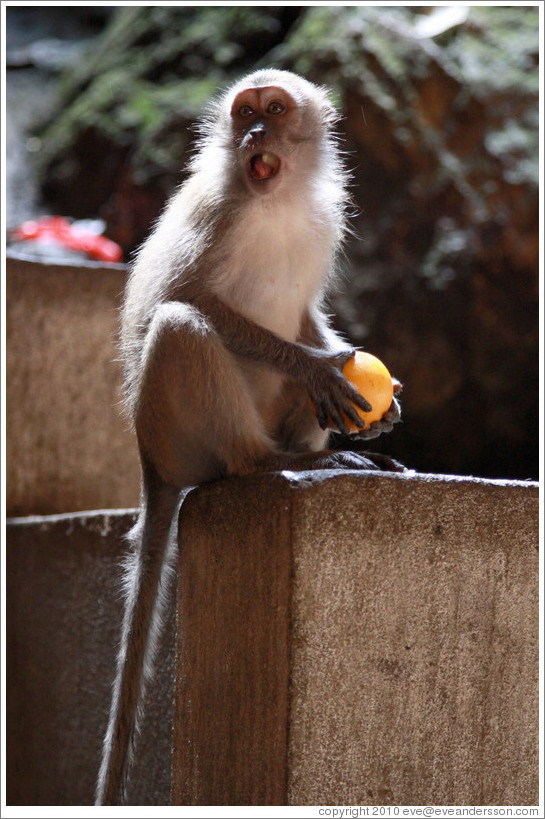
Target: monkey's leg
[305, 446]
[197, 418]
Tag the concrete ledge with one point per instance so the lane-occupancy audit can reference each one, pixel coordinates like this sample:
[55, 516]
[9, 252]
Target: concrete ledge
[342, 639]
[358, 639]
[63, 620]
[68, 448]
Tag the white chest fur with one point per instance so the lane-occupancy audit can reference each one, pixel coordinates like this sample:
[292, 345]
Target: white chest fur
[278, 257]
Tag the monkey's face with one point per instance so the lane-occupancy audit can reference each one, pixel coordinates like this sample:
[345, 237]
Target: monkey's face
[268, 127]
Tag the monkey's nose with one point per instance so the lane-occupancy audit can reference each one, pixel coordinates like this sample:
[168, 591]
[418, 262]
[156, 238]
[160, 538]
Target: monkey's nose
[258, 131]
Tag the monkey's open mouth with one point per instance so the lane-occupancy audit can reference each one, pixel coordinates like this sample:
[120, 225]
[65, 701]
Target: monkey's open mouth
[263, 166]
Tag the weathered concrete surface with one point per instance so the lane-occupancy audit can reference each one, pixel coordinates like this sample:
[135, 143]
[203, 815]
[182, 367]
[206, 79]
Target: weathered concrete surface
[68, 448]
[358, 639]
[343, 639]
[63, 622]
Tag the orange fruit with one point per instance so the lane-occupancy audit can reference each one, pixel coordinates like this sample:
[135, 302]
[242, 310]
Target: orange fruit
[370, 377]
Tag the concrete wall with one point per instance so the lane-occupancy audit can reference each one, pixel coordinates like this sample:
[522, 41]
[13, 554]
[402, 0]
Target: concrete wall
[68, 447]
[342, 639]
[358, 640]
[63, 621]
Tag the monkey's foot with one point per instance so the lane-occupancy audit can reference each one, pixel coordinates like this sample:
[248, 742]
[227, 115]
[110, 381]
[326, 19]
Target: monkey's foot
[330, 459]
[384, 462]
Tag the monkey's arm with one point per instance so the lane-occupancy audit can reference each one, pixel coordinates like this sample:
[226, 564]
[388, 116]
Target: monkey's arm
[317, 370]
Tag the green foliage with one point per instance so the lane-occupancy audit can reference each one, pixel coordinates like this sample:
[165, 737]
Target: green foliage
[152, 72]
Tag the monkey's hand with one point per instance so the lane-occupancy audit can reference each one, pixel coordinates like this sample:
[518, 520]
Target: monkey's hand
[331, 394]
[386, 423]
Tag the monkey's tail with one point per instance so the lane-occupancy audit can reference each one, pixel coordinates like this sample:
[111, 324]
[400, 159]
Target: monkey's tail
[145, 583]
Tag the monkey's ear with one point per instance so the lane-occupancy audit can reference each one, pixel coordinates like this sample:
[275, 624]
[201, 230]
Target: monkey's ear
[331, 114]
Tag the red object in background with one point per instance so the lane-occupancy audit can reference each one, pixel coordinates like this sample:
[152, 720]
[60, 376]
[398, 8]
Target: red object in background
[58, 230]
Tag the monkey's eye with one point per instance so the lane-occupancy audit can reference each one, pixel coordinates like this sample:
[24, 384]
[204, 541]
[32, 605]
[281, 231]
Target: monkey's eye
[276, 108]
[245, 111]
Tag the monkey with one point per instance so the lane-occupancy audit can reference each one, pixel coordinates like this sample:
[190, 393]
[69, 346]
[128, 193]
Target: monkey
[231, 366]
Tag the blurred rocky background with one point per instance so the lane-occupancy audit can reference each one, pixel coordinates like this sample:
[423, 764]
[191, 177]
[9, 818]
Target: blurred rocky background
[440, 127]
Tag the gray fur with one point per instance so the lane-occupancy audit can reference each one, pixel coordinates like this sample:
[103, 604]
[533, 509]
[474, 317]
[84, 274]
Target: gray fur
[224, 340]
